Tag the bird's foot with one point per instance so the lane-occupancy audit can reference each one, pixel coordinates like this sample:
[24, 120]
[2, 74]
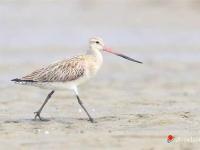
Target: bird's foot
[37, 115]
[91, 120]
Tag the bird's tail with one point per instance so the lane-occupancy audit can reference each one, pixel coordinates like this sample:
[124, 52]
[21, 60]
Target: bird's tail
[22, 81]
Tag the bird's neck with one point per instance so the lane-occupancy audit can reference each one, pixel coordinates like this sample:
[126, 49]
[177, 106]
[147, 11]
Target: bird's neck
[96, 53]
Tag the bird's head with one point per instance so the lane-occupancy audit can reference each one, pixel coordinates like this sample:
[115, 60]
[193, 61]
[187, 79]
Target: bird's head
[96, 43]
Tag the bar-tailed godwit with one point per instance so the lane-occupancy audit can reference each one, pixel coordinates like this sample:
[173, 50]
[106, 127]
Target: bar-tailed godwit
[69, 73]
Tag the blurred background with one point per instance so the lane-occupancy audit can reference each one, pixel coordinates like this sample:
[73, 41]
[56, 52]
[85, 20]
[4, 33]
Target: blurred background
[143, 101]
[147, 29]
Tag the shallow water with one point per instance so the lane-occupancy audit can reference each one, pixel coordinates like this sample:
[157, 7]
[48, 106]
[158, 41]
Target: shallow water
[132, 104]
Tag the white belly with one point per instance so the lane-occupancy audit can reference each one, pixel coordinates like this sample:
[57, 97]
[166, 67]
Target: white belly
[57, 85]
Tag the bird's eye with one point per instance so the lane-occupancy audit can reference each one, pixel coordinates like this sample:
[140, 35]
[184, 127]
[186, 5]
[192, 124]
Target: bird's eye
[97, 42]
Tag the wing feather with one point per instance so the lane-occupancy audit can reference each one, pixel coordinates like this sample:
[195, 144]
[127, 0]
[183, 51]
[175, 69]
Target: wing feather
[62, 71]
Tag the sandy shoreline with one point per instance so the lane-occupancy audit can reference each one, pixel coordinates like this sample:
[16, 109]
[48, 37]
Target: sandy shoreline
[130, 115]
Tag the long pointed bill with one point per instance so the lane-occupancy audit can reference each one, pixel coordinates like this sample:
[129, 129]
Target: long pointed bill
[121, 55]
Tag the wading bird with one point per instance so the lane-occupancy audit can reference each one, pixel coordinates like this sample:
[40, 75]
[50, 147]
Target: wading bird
[69, 73]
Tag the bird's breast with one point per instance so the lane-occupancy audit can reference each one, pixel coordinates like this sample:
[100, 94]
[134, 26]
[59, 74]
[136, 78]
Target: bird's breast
[93, 67]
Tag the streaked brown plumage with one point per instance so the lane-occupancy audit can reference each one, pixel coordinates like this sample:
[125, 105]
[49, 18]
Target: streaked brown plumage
[61, 71]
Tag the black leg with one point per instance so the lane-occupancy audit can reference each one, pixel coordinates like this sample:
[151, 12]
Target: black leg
[37, 113]
[80, 102]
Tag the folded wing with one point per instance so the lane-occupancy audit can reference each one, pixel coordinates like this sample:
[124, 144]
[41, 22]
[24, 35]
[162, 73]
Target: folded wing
[62, 71]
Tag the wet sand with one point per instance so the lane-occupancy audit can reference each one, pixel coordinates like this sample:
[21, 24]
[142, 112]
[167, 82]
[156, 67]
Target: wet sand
[135, 106]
